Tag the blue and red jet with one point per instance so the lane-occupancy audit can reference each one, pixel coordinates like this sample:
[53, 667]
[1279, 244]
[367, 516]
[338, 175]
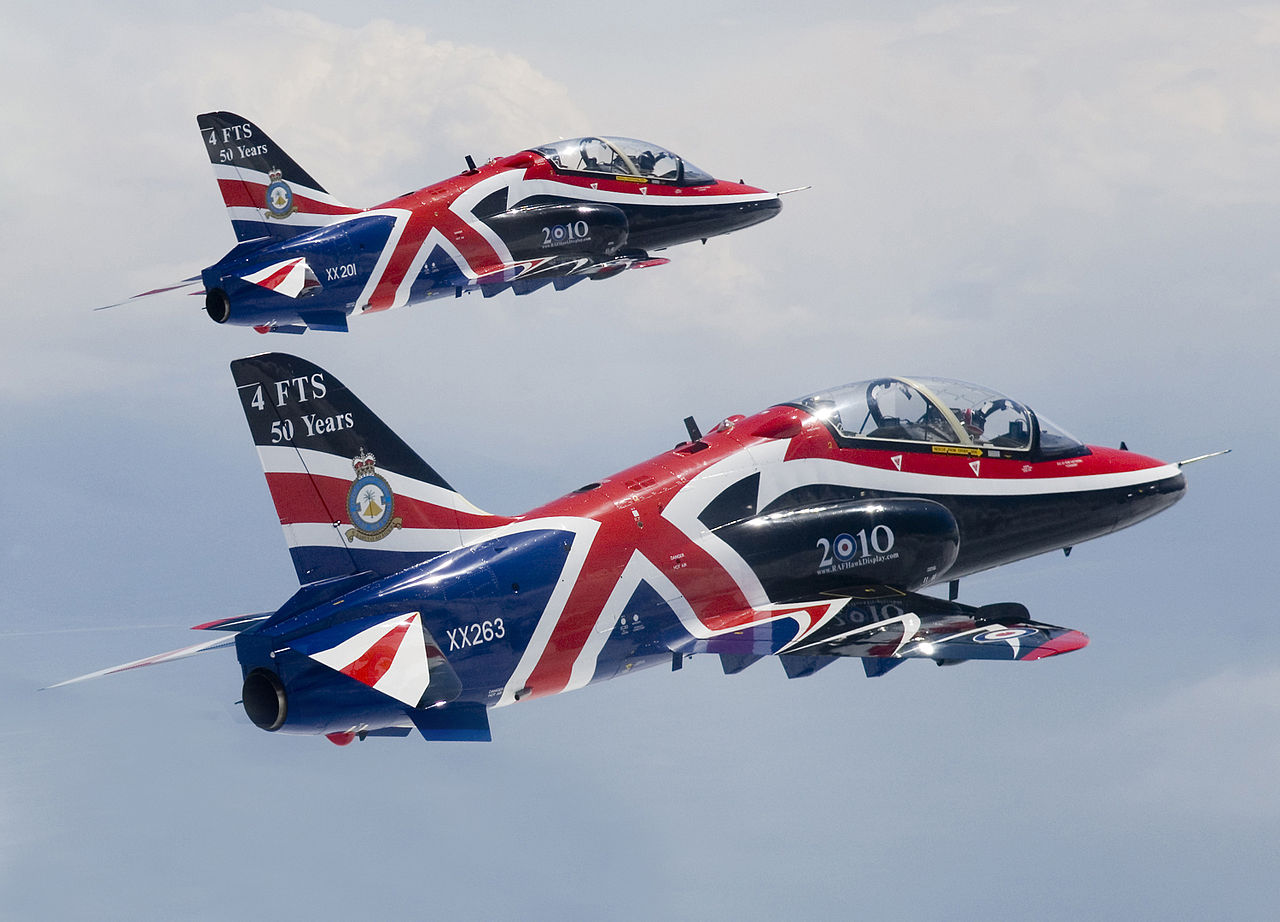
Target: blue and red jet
[582, 208]
[806, 532]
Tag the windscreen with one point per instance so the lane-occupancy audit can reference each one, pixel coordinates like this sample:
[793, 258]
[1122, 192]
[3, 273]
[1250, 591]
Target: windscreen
[622, 157]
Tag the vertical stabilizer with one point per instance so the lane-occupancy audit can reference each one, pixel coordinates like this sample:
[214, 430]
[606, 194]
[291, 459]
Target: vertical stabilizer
[351, 495]
[266, 193]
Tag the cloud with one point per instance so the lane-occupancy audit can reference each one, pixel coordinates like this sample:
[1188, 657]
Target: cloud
[112, 194]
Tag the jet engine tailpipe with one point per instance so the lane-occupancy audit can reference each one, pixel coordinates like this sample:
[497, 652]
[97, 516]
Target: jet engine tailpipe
[264, 699]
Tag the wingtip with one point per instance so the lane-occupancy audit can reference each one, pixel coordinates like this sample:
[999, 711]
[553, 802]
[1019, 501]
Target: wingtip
[1063, 643]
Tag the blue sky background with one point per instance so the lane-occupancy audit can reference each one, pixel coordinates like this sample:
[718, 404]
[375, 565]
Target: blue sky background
[1076, 206]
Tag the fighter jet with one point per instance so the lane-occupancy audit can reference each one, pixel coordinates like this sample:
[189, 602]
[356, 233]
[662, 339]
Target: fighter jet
[551, 215]
[808, 531]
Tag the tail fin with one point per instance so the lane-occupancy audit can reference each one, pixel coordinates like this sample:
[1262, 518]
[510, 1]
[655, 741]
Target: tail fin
[267, 194]
[351, 495]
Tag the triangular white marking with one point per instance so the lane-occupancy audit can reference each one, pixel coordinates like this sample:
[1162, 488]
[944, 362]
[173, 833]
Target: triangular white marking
[291, 277]
[974, 465]
[407, 676]
[897, 461]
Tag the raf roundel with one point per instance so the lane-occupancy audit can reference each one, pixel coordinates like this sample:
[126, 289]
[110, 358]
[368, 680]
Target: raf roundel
[1002, 635]
[370, 502]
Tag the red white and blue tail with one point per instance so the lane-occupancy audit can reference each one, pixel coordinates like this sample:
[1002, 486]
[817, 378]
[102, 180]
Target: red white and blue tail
[351, 495]
[267, 194]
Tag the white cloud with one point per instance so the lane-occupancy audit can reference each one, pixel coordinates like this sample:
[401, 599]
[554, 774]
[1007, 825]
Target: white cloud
[111, 193]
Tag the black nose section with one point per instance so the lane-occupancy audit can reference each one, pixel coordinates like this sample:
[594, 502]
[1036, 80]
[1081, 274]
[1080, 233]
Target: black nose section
[728, 218]
[1145, 500]
[756, 212]
[654, 227]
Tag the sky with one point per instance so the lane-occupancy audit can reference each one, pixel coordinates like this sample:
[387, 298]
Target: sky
[1076, 205]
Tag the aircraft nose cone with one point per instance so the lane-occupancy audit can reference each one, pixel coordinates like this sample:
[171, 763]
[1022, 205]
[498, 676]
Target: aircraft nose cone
[1147, 499]
[749, 213]
[771, 206]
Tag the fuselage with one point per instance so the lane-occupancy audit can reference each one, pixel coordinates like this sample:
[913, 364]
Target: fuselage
[746, 539]
[518, 222]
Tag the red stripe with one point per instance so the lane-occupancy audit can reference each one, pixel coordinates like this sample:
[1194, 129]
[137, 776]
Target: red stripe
[539, 168]
[238, 194]
[275, 278]
[431, 211]
[307, 498]
[716, 599]
[815, 442]
[375, 662]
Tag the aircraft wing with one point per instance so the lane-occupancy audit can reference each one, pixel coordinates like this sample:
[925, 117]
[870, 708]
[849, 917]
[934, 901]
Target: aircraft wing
[886, 632]
[560, 271]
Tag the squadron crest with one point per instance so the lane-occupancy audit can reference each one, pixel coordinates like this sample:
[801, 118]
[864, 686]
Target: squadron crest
[370, 502]
[280, 202]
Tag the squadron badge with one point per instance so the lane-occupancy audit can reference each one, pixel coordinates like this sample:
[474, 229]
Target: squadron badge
[280, 202]
[370, 502]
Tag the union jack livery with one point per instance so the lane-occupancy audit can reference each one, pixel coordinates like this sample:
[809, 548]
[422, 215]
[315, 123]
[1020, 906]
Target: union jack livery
[583, 208]
[807, 531]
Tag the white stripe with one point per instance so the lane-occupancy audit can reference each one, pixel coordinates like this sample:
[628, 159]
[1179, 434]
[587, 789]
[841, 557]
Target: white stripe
[410, 674]
[243, 174]
[346, 652]
[639, 569]
[297, 219]
[285, 459]
[687, 504]
[411, 540]
[463, 206]
[401, 216]
[551, 187]
[433, 239]
[585, 532]
[783, 476]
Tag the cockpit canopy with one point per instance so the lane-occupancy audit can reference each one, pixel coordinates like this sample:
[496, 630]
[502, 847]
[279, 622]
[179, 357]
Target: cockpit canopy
[940, 411]
[622, 157]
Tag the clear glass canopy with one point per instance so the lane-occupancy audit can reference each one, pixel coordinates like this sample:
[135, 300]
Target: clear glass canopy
[622, 157]
[936, 410]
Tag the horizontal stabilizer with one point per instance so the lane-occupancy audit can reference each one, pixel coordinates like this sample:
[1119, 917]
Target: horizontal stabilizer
[181, 653]
[235, 623]
[191, 286]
